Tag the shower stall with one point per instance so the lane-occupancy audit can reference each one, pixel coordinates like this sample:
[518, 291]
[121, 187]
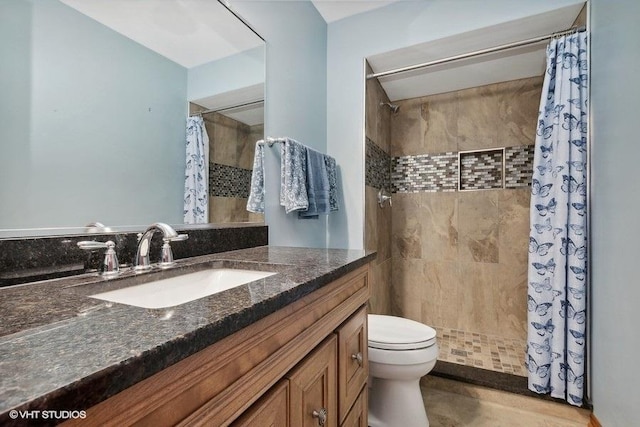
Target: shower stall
[453, 246]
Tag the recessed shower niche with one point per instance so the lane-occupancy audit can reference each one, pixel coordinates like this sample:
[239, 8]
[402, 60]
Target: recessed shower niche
[481, 169]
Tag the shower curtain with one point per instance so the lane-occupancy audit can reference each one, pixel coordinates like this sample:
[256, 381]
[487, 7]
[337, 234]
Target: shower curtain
[196, 180]
[557, 268]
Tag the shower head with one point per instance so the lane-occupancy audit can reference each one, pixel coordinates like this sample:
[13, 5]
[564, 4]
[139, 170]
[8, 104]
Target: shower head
[394, 108]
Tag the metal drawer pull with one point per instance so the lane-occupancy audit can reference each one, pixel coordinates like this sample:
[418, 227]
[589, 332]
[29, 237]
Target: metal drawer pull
[357, 357]
[321, 415]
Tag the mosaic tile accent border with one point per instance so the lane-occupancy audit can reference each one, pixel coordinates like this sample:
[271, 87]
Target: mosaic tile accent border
[424, 172]
[481, 170]
[482, 351]
[518, 166]
[229, 181]
[378, 166]
[439, 172]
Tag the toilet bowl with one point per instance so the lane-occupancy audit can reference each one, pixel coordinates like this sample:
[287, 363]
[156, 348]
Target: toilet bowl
[401, 351]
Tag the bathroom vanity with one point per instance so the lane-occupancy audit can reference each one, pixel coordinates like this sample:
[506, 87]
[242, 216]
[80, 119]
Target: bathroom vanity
[289, 349]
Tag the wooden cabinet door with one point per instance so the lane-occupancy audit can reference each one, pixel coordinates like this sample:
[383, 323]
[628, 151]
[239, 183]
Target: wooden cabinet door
[312, 388]
[353, 361]
[271, 410]
[357, 416]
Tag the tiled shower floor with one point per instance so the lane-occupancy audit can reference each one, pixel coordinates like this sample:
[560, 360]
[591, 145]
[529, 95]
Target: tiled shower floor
[482, 351]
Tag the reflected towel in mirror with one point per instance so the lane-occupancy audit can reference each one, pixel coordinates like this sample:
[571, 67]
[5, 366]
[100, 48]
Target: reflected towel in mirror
[255, 203]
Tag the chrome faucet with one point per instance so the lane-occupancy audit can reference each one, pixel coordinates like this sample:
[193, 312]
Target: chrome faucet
[110, 266]
[142, 262]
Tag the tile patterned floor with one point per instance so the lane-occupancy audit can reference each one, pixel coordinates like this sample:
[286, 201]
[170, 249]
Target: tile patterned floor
[482, 351]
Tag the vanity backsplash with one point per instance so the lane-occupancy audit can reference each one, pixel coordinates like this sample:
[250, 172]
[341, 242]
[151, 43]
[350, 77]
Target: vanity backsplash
[24, 260]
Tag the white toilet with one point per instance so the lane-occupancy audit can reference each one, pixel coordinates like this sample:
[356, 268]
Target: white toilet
[401, 351]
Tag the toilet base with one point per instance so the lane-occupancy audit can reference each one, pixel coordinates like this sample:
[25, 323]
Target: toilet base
[395, 403]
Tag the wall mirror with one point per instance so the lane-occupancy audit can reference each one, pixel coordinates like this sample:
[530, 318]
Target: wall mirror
[95, 96]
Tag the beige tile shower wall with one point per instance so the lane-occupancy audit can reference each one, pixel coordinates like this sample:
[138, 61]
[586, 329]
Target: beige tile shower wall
[460, 258]
[227, 138]
[231, 143]
[377, 220]
[227, 209]
[256, 133]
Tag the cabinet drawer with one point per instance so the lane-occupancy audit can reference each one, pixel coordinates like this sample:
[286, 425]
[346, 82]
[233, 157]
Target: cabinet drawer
[312, 388]
[353, 363]
[271, 410]
[357, 416]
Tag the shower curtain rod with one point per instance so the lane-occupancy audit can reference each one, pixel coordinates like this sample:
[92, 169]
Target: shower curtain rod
[260, 101]
[476, 53]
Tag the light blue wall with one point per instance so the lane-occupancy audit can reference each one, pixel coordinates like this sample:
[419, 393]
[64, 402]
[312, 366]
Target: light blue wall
[296, 101]
[395, 26]
[615, 91]
[102, 134]
[239, 71]
[15, 95]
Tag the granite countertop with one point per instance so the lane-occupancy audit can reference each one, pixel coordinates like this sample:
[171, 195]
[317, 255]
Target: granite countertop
[61, 350]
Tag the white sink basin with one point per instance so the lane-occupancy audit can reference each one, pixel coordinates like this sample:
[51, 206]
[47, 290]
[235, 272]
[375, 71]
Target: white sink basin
[178, 290]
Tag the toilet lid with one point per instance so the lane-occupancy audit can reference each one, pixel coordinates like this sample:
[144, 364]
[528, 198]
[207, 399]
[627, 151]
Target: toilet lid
[397, 333]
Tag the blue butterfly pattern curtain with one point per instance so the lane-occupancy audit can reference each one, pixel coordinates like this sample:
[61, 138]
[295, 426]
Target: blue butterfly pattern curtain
[558, 238]
[196, 179]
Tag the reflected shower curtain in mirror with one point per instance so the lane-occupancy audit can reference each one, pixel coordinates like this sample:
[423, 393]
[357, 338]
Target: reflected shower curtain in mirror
[557, 294]
[196, 179]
